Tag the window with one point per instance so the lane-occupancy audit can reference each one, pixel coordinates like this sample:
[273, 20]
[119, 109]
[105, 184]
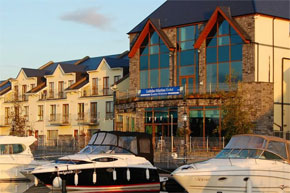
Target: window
[16, 93]
[43, 95]
[187, 58]
[24, 90]
[81, 110]
[94, 107]
[109, 110]
[65, 112]
[26, 112]
[60, 90]
[51, 90]
[154, 62]
[95, 86]
[32, 86]
[7, 114]
[116, 78]
[40, 113]
[223, 57]
[52, 137]
[70, 82]
[52, 116]
[106, 85]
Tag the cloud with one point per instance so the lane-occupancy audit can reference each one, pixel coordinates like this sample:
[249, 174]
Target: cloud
[89, 16]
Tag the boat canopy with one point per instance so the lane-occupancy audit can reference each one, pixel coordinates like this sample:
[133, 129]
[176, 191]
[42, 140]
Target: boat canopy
[27, 141]
[134, 142]
[265, 144]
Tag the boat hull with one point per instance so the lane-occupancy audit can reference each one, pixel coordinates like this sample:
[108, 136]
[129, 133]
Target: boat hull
[227, 176]
[12, 171]
[105, 181]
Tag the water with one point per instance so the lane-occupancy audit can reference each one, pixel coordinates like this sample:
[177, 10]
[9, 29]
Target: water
[28, 187]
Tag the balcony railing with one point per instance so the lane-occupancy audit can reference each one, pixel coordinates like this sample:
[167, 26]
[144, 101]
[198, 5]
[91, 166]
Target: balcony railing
[15, 98]
[59, 119]
[97, 91]
[54, 95]
[88, 119]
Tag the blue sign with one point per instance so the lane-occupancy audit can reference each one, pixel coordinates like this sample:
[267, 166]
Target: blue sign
[163, 91]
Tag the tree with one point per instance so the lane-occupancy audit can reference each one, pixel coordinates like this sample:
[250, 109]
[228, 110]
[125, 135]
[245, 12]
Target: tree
[235, 115]
[18, 120]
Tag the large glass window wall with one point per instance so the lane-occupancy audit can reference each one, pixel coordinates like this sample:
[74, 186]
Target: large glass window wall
[205, 121]
[187, 58]
[158, 121]
[154, 62]
[223, 57]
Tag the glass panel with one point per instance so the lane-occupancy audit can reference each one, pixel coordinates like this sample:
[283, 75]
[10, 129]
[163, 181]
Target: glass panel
[224, 72]
[143, 62]
[148, 129]
[190, 86]
[129, 143]
[187, 70]
[211, 122]
[186, 33]
[211, 55]
[212, 33]
[196, 123]
[211, 42]
[100, 138]
[148, 117]
[224, 28]
[246, 142]
[145, 42]
[164, 49]
[237, 52]
[278, 148]
[154, 49]
[232, 30]
[211, 77]
[164, 81]
[186, 45]
[154, 61]
[93, 139]
[154, 39]
[110, 139]
[237, 71]
[225, 40]
[164, 61]
[154, 78]
[144, 79]
[143, 144]
[187, 57]
[17, 148]
[144, 50]
[223, 53]
[236, 39]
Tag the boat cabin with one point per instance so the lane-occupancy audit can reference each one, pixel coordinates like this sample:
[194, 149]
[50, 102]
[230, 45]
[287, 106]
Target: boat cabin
[116, 142]
[256, 147]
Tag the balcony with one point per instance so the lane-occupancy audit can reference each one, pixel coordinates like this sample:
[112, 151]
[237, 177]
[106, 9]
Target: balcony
[15, 98]
[97, 91]
[53, 95]
[189, 92]
[88, 119]
[59, 119]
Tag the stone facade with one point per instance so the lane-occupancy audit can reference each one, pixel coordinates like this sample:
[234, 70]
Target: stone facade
[258, 97]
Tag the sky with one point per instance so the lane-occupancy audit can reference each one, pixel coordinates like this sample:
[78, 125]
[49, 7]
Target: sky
[34, 32]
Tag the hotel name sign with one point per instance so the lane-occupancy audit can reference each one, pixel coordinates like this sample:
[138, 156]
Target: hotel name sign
[162, 91]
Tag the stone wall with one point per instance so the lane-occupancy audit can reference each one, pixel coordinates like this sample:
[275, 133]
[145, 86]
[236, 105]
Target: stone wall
[258, 98]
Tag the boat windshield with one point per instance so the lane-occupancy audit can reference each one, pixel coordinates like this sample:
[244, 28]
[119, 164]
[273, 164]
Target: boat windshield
[243, 147]
[91, 149]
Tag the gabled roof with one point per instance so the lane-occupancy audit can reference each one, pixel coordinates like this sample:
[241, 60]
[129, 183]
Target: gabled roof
[88, 64]
[180, 12]
[29, 72]
[156, 26]
[68, 68]
[225, 13]
[79, 84]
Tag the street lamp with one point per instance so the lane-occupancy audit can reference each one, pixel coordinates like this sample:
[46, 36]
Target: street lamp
[184, 118]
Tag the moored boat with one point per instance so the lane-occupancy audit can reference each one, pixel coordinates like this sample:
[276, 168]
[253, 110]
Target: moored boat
[111, 162]
[249, 163]
[15, 155]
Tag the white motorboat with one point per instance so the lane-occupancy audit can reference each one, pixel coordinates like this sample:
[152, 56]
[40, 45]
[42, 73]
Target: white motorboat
[249, 163]
[15, 155]
[111, 162]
